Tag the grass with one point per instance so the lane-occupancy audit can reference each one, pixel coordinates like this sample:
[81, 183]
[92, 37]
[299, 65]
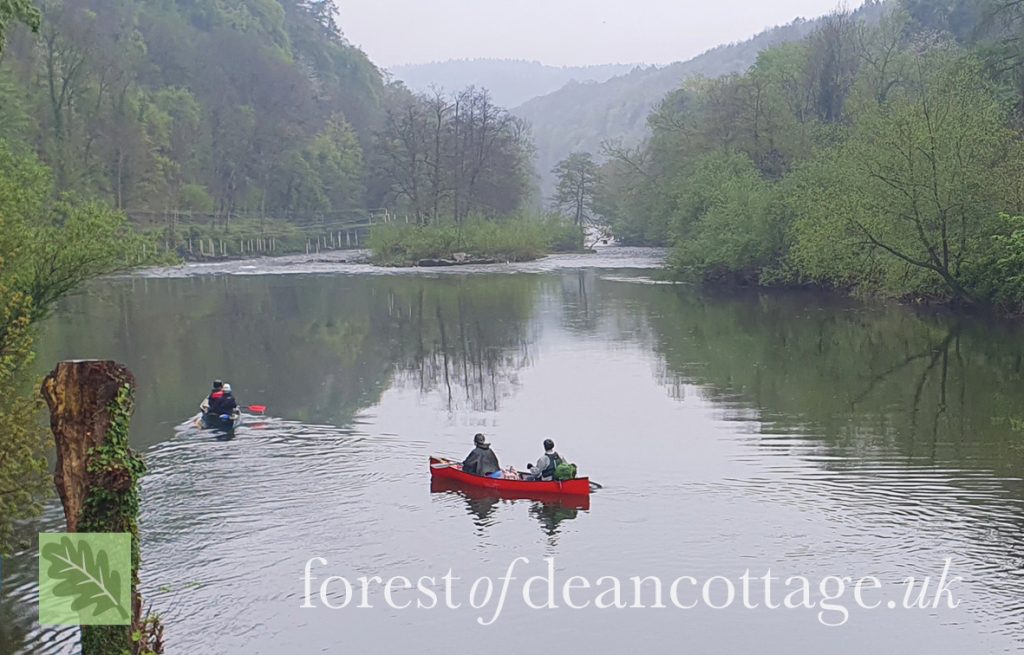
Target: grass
[513, 240]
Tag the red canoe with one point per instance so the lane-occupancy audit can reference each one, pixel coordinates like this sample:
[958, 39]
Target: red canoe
[449, 470]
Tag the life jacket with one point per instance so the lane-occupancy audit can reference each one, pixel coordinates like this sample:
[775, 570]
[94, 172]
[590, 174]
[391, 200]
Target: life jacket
[222, 403]
[554, 459]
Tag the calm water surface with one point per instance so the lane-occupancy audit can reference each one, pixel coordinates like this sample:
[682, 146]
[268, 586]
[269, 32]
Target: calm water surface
[731, 432]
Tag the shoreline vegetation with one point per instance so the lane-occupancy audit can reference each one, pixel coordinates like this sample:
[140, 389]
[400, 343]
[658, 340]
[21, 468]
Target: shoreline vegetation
[474, 242]
[881, 157]
[477, 241]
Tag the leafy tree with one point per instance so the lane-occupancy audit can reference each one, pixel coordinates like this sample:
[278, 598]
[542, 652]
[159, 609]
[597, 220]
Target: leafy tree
[915, 191]
[22, 11]
[578, 181]
[635, 206]
[130, 102]
[1005, 267]
[48, 249]
[871, 158]
[727, 223]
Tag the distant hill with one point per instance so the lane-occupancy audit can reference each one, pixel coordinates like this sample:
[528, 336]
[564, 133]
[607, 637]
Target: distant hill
[580, 116]
[511, 82]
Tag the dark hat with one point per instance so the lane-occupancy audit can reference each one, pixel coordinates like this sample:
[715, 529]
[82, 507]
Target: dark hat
[549, 444]
[480, 439]
[217, 384]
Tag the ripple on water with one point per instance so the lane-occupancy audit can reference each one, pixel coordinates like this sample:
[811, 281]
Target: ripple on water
[703, 480]
[919, 514]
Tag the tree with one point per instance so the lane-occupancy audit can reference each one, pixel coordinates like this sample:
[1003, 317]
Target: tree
[908, 203]
[22, 11]
[48, 249]
[132, 102]
[727, 224]
[578, 180]
[832, 65]
[403, 146]
[452, 156]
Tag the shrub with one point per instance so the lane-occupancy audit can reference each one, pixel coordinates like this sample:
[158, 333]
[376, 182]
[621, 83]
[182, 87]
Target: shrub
[515, 239]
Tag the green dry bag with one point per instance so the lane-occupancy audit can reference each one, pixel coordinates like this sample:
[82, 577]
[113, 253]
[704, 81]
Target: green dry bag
[565, 471]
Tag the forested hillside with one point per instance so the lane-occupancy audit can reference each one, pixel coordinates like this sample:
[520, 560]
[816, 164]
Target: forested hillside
[211, 105]
[511, 82]
[582, 116]
[879, 159]
[225, 108]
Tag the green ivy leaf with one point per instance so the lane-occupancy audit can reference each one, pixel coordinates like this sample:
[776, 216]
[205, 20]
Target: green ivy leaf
[85, 578]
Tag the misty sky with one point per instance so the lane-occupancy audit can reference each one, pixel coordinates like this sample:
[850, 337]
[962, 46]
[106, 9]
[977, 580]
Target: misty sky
[560, 32]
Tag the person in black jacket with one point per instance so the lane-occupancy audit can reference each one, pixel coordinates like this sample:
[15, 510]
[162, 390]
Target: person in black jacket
[215, 394]
[226, 404]
[482, 461]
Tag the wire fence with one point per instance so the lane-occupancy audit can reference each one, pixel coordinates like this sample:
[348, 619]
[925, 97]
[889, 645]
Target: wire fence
[206, 235]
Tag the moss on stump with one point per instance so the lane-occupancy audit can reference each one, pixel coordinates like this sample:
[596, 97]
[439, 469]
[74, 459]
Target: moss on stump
[97, 473]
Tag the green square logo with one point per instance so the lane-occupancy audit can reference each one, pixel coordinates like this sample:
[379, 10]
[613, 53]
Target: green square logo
[85, 578]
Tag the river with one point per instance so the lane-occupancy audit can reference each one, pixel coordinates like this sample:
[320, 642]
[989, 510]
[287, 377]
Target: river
[731, 432]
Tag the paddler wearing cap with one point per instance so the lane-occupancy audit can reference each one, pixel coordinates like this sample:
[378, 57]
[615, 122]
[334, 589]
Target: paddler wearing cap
[482, 461]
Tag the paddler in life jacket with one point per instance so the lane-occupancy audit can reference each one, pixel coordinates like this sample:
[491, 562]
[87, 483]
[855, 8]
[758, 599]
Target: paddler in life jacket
[215, 396]
[225, 405]
[545, 468]
[482, 460]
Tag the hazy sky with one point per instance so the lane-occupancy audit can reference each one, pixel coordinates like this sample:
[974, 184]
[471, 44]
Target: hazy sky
[560, 32]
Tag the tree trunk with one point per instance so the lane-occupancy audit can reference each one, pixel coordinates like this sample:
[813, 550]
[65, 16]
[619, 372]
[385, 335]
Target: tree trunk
[97, 476]
[80, 395]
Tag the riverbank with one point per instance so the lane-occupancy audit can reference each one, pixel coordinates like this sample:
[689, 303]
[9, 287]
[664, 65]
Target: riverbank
[938, 300]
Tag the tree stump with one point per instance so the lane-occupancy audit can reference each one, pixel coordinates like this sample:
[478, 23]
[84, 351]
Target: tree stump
[80, 395]
[97, 475]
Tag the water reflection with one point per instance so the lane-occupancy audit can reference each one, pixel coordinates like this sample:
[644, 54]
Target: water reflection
[552, 513]
[549, 510]
[466, 337]
[865, 381]
[732, 430]
[316, 351]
